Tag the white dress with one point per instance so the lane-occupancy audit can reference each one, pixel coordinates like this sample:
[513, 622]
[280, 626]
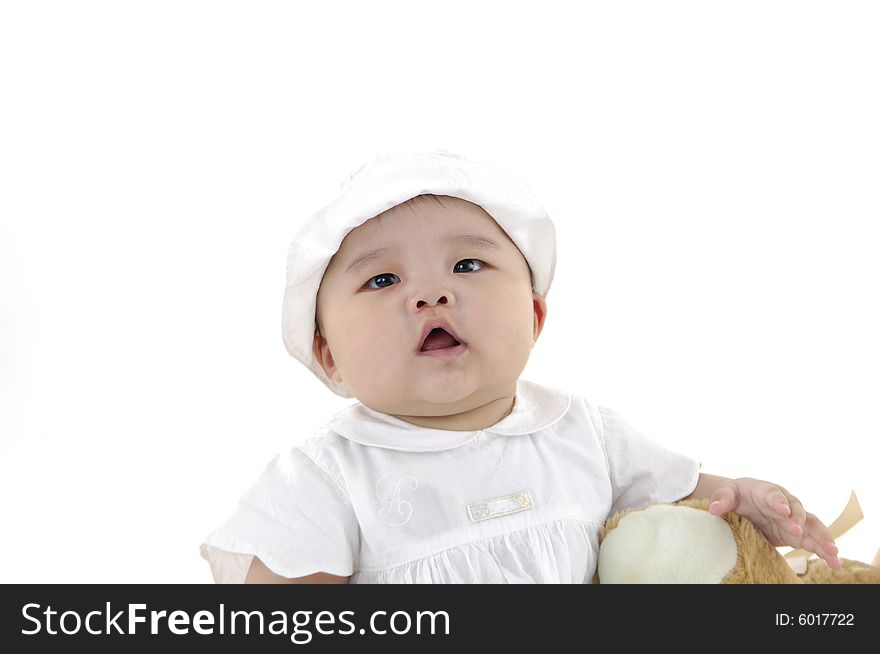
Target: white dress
[385, 501]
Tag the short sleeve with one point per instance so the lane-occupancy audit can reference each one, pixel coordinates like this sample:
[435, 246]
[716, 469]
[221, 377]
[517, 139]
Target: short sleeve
[642, 471]
[297, 518]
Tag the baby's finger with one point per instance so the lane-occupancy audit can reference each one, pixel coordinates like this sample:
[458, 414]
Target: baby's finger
[825, 550]
[797, 515]
[723, 500]
[777, 501]
[821, 541]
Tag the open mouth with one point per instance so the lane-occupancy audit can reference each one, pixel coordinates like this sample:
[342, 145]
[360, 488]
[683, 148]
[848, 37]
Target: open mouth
[438, 339]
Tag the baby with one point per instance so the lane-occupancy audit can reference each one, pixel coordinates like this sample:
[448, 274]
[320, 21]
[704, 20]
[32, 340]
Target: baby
[420, 292]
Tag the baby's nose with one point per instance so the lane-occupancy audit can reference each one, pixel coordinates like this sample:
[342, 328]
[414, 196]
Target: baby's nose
[440, 300]
[430, 293]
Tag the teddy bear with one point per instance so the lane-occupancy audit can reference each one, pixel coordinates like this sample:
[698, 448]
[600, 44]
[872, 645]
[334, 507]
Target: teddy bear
[684, 543]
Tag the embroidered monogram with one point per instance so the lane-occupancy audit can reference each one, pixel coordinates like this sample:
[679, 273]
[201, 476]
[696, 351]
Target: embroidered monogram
[500, 506]
[388, 492]
[495, 447]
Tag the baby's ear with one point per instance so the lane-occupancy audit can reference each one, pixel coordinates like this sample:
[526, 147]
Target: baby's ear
[540, 309]
[321, 350]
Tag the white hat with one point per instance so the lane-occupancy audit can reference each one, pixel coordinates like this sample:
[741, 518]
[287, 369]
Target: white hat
[384, 183]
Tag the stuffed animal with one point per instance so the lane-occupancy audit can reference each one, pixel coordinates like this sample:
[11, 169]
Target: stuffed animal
[684, 543]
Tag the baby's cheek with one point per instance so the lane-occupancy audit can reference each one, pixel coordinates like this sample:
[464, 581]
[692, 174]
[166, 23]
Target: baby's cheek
[385, 349]
[510, 343]
[516, 317]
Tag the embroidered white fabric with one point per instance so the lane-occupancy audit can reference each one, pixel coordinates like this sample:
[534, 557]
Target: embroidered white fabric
[384, 501]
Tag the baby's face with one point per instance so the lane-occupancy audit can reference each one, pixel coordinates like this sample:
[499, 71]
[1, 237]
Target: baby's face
[396, 276]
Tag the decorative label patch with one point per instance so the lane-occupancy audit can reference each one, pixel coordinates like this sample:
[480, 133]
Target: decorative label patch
[499, 506]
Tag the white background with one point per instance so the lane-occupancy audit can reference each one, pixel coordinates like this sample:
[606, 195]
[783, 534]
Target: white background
[712, 169]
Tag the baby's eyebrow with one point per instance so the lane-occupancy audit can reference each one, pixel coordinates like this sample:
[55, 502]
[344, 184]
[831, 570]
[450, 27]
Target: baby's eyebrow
[477, 241]
[367, 258]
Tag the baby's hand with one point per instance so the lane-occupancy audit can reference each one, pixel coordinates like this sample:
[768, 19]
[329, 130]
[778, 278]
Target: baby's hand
[778, 514]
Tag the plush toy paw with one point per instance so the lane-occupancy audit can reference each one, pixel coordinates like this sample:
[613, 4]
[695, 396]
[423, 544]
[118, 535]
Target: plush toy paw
[684, 543]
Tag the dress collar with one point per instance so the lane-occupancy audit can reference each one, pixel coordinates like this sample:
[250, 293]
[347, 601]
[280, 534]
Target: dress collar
[535, 407]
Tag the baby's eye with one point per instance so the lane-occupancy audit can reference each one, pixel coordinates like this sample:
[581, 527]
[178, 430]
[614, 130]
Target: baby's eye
[382, 281]
[470, 265]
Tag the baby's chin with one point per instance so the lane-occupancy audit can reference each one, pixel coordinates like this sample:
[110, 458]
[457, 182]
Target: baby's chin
[434, 401]
[435, 406]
